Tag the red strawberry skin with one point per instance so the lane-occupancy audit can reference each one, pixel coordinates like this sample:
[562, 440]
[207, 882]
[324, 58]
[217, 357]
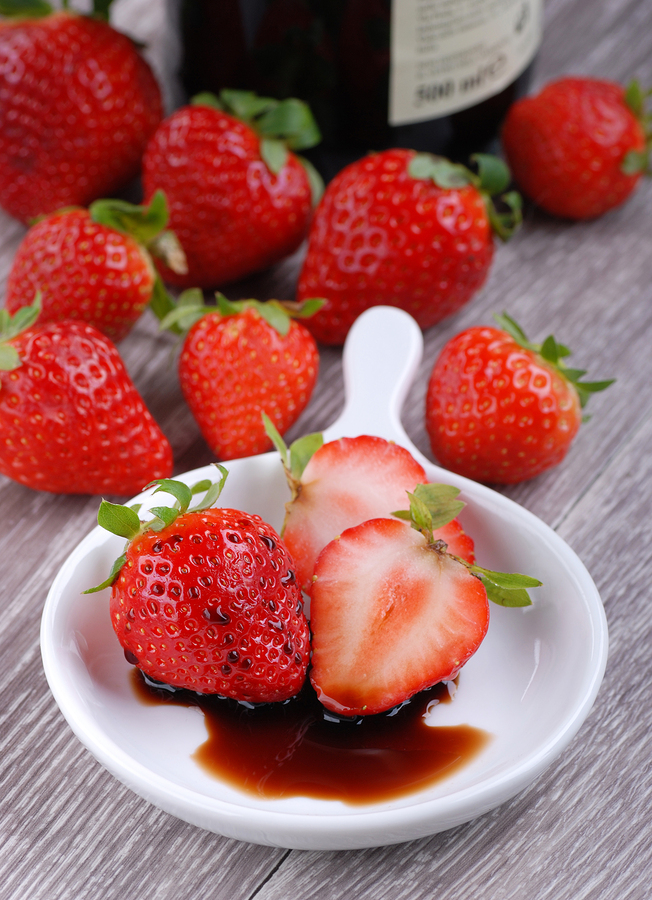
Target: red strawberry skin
[233, 368]
[79, 104]
[71, 420]
[84, 271]
[497, 412]
[347, 482]
[232, 215]
[565, 147]
[381, 237]
[390, 617]
[210, 604]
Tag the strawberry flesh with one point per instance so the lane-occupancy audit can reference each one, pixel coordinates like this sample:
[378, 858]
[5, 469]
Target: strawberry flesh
[347, 482]
[390, 617]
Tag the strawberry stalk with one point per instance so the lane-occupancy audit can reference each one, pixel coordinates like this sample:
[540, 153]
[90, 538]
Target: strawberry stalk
[434, 505]
[492, 180]
[296, 457]
[125, 522]
[554, 354]
[282, 125]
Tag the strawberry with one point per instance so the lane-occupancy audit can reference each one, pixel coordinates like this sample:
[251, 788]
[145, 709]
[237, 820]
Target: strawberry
[93, 265]
[502, 409]
[206, 599]
[79, 104]
[345, 482]
[239, 360]
[405, 229]
[579, 147]
[392, 613]
[71, 420]
[239, 199]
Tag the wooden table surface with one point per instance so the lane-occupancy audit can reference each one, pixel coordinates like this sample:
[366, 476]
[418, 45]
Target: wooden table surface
[69, 830]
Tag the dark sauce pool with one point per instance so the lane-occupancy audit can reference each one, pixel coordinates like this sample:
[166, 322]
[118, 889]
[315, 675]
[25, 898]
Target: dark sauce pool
[285, 750]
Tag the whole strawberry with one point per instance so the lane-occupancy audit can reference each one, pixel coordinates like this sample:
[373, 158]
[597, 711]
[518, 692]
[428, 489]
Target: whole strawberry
[93, 265]
[71, 420]
[242, 359]
[239, 199]
[403, 229]
[578, 148]
[501, 409]
[79, 104]
[206, 598]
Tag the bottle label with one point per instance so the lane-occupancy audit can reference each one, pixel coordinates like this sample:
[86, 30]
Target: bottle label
[447, 55]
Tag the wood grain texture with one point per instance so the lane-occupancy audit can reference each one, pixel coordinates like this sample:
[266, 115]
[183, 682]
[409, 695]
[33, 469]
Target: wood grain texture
[69, 830]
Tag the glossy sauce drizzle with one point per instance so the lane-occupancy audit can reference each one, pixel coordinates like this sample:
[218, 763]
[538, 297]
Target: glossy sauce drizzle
[291, 749]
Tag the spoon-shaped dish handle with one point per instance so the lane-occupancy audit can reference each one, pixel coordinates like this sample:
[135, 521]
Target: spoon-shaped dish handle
[381, 355]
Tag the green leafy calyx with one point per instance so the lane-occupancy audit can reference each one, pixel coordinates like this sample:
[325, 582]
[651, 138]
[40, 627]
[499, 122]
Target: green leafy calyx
[554, 354]
[434, 505]
[29, 9]
[125, 522]
[278, 314]
[440, 502]
[637, 162]
[11, 327]
[491, 181]
[37, 9]
[145, 224]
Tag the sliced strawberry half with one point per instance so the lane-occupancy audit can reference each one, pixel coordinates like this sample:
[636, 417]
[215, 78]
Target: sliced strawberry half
[392, 612]
[344, 483]
[390, 617]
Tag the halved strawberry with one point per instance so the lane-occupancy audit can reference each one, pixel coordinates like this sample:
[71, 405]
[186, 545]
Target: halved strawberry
[393, 613]
[345, 482]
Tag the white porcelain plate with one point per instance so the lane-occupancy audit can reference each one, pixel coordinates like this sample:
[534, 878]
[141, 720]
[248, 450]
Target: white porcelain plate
[530, 685]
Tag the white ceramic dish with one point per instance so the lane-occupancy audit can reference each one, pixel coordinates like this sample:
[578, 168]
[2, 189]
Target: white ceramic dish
[531, 684]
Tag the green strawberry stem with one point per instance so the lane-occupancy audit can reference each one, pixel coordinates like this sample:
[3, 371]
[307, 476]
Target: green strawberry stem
[125, 522]
[554, 354]
[191, 307]
[431, 507]
[491, 181]
[282, 125]
[10, 327]
[296, 457]
[638, 161]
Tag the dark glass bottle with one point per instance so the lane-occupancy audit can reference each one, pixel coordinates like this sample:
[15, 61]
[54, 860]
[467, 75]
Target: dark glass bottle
[435, 75]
